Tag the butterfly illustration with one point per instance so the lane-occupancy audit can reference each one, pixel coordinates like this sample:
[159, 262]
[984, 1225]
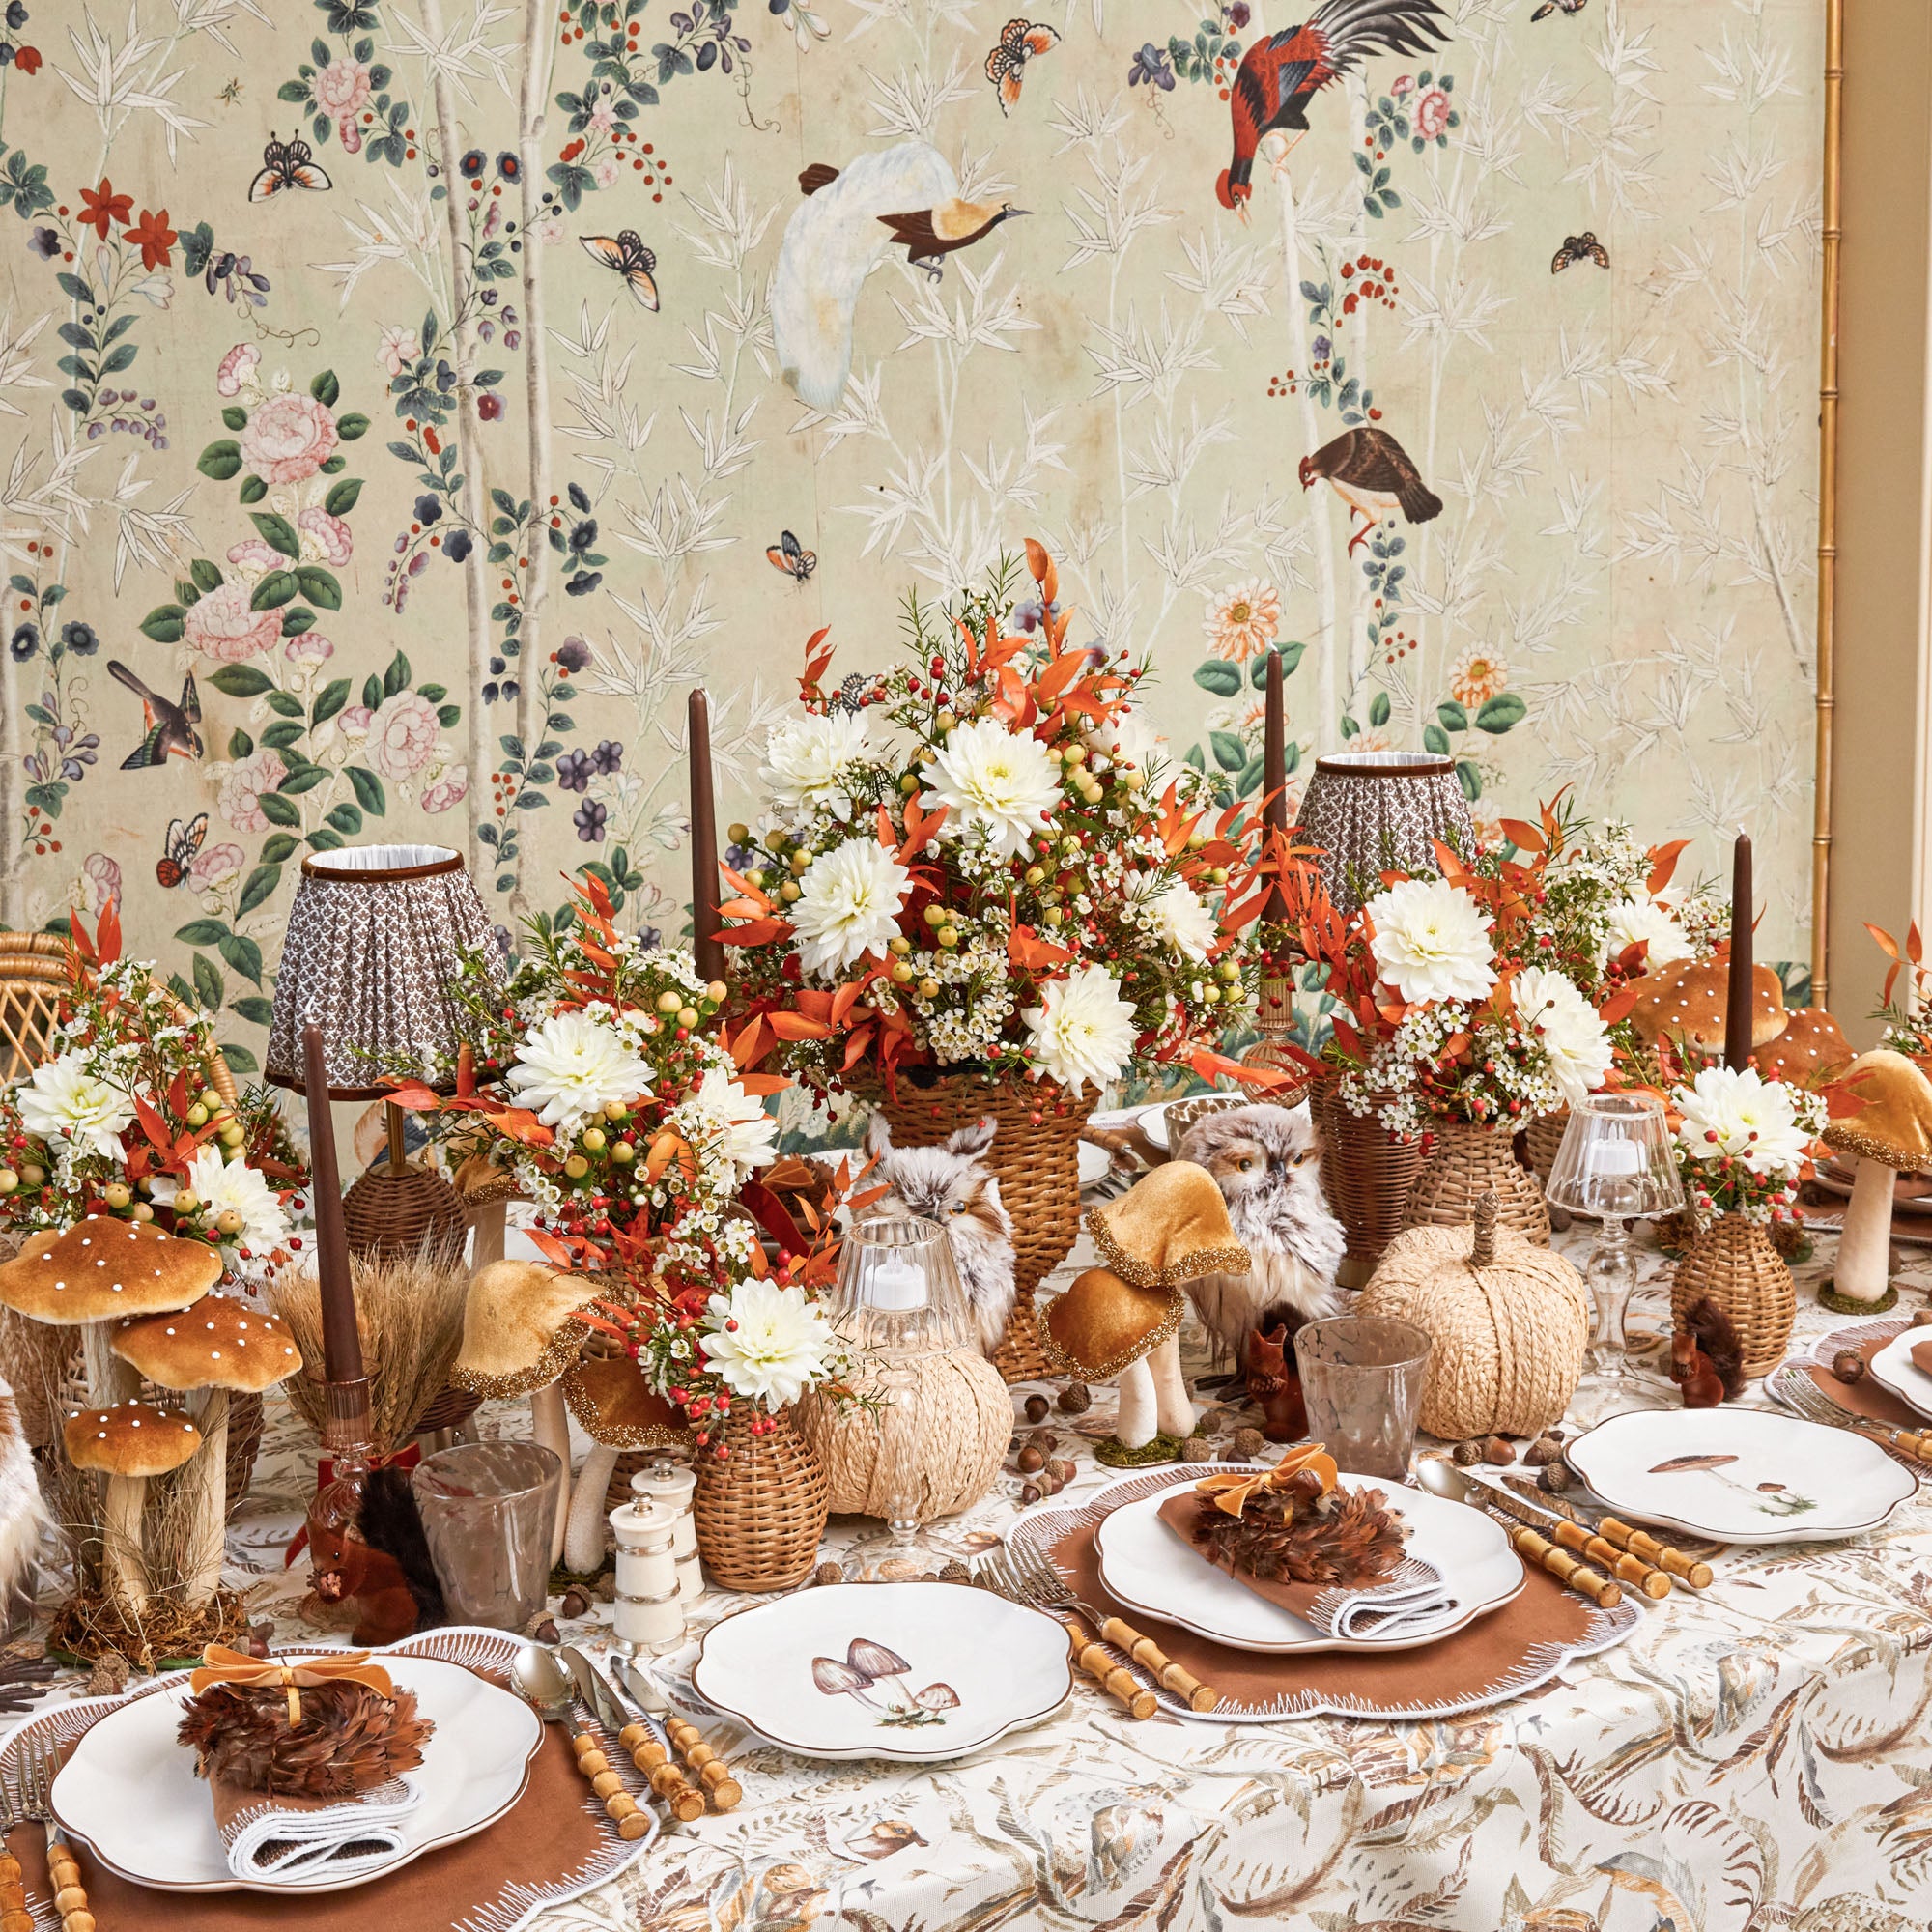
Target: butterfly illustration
[786, 555]
[183, 842]
[1584, 248]
[286, 165]
[630, 259]
[1019, 42]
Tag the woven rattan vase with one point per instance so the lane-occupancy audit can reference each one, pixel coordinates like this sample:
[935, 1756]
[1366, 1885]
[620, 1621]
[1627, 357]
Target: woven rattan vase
[1734, 1263]
[760, 1510]
[1366, 1173]
[1463, 1164]
[1034, 1157]
[1542, 1138]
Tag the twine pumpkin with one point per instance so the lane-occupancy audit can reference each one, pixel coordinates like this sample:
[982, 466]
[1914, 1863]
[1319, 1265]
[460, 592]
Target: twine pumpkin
[1509, 1320]
[948, 1415]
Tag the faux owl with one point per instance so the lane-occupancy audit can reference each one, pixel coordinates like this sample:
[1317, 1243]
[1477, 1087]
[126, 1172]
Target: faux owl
[1267, 1162]
[952, 1185]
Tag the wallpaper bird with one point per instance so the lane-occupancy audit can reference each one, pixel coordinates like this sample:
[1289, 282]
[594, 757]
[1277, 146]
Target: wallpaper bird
[838, 236]
[1267, 1164]
[1280, 75]
[167, 729]
[1373, 474]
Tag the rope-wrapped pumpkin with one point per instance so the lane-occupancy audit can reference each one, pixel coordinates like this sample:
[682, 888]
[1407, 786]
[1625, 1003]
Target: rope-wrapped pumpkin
[1509, 1320]
[949, 1415]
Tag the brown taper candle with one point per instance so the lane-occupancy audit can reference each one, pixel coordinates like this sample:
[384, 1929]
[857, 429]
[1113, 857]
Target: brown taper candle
[1737, 1000]
[1275, 770]
[704, 922]
[341, 1345]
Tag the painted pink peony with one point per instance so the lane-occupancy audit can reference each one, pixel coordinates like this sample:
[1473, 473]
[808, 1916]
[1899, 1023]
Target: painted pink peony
[330, 534]
[222, 625]
[341, 89]
[243, 786]
[104, 880]
[1432, 113]
[288, 439]
[310, 648]
[402, 736]
[238, 369]
[252, 553]
[213, 865]
[353, 721]
[451, 788]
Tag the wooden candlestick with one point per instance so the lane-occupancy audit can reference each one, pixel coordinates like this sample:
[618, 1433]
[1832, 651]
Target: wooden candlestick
[1274, 771]
[341, 1344]
[1738, 990]
[705, 924]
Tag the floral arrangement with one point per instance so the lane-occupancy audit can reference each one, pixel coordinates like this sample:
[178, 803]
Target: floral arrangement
[978, 858]
[1744, 1143]
[1908, 1019]
[121, 1120]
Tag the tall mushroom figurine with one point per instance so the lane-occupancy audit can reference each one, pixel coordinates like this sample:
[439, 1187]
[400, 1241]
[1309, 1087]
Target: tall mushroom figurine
[128, 1441]
[1122, 1320]
[618, 1411]
[520, 1334]
[1890, 1134]
[217, 1345]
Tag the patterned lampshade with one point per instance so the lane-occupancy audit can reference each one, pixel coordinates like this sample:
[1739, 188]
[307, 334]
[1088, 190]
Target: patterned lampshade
[1375, 812]
[376, 936]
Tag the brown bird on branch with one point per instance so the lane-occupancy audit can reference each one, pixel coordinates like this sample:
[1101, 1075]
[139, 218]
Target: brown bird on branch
[931, 234]
[1373, 474]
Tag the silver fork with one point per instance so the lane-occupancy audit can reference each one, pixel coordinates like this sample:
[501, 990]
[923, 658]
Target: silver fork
[1050, 1590]
[1812, 1402]
[35, 1770]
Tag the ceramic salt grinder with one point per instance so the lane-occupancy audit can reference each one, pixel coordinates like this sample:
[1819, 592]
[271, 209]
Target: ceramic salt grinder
[670, 1485]
[646, 1612]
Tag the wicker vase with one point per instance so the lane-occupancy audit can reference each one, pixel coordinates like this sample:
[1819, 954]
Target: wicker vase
[1366, 1173]
[1734, 1263]
[1542, 1138]
[1034, 1157]
[1465, 1163]
[760, 1510]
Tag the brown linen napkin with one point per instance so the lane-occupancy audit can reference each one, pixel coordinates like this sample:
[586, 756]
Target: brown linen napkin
[1501, 1655]
[1867, 1396]
[1412, 1593]
[1922, 1356]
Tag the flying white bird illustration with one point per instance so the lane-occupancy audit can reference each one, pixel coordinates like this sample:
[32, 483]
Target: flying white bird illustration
[838, 236]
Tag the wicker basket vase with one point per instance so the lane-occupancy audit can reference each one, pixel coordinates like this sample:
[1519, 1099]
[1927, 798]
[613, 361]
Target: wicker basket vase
[1542, 1138]
[1366, 1173]
[1734, 1263]
[760, 1510]
[1034, 1157]
[1465, 1163]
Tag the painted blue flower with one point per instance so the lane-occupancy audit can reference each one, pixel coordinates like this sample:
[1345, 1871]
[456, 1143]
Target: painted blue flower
[573, 655]
[589, 822]
[79, 638]
[45, 242]
[1031, 613]
[584, 584]
[1152, 66]
[572, 770]
[25, 642]
[1237, 14]
[608, 755]
[474, 164]
[427, 509]
[456, 546]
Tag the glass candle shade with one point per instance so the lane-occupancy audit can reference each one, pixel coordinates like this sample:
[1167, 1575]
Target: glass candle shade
[897, 1291]
[1361, 1380]
[487, 1510]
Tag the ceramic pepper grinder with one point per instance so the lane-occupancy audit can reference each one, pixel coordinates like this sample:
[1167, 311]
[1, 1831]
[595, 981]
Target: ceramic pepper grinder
[670, 1485]
[647, 1612]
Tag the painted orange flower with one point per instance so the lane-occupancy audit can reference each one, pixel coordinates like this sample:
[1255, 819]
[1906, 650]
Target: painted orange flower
[153, 236]
[1477, 676]
[101, 208]
[1243, 619]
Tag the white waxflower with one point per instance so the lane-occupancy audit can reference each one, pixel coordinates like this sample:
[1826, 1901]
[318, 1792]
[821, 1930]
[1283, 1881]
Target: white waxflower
[1577, 1041]
[727, 1127]
[1082, 1030]
[62, 1100]
[808, 761]
[1650, 919]
[570, 1067]
[1736, 1111]
[1431, 941]
[1183, 922]
[848, 905]
[987, 776]
[775, 1346]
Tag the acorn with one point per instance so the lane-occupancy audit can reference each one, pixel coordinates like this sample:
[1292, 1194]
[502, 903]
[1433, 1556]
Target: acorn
[1032, 1493]
[1468, 1454]
[542, 1629]
[574, 1602]
[1543, 1452]
[1063, 1470]
[1849, 1366]
[1036, 1407]
[1029, 1460]
[1921, 1318]
[828, 1572]
[1043, 1438]
[1499, 1451]
[953, 1571]
[1555, 1477]
[1075, 1398]
[1248, 1444]
[1197, 1449]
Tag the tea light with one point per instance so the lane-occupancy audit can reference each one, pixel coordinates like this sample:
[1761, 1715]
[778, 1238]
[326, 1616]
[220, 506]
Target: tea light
[647, 1610]
[894, 1283]
[1617, 1157]
[670, 1485]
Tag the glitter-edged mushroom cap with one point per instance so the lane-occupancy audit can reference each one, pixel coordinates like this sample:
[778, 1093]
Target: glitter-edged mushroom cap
[520, 1328]
[130, 1439]
[102, 1267]
[1688, 1001]
[614, 1405]
[219, 1342]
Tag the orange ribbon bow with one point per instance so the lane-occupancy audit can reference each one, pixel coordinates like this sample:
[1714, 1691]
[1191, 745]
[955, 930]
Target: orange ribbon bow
[1233, 1494]
[222, 1665]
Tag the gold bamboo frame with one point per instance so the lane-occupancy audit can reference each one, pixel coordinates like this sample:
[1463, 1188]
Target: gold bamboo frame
[1831, 233]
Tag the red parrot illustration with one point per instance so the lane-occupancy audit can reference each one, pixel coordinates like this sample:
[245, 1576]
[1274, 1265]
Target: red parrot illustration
[1279, 75]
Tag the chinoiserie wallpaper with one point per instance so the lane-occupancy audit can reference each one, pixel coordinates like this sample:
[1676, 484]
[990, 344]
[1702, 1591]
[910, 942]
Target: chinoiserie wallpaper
[406, 402]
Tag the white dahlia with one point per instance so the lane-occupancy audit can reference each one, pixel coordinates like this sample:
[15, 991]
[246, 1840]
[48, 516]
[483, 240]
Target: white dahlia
[223, 1184]
[1649, 920]
[1006, 781]
[848, 905]
[728, 1129]
[1431, 942]
[570, 1067]
[768, 1344]
[809, 759]
[1183, 922]
[1736, 1111]
[1082, 1030]
[62, 1100]
[1577, 1041]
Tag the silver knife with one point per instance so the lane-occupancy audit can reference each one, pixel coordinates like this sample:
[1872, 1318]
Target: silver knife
[646, 1749]
[719, 1786]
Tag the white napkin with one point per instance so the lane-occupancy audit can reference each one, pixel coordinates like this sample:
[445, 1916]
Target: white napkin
[296, 1839]
[1410, 1598]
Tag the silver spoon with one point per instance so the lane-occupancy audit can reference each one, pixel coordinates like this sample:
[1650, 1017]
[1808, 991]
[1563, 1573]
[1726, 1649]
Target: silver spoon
[539, 1677]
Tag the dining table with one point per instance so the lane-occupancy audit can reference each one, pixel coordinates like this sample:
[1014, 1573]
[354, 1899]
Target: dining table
[1756, 1753]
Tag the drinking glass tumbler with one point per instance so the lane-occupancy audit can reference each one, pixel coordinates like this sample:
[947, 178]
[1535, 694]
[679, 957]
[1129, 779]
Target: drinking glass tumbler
[487, 1509]
[1361, 1378]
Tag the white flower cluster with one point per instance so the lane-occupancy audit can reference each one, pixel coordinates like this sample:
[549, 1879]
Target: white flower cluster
[1737, 1118]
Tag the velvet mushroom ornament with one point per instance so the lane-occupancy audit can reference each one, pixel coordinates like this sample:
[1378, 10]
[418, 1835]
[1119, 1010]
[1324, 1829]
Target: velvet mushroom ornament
[128, 1442]
[1889, 1134]
[619, 1411]
[1811, 1050]
[1122, 1321]
[1687, 1003]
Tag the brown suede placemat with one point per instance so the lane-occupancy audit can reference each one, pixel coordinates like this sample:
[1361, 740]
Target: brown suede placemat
[1867, 1396]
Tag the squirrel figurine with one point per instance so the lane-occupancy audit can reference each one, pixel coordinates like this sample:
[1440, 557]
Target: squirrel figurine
[1706, 1356]
[1274, 1382]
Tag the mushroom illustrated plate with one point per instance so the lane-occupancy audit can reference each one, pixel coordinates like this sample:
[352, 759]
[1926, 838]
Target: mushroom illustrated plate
[1740, 1475]
[1893, 1368]
[917, 1672]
